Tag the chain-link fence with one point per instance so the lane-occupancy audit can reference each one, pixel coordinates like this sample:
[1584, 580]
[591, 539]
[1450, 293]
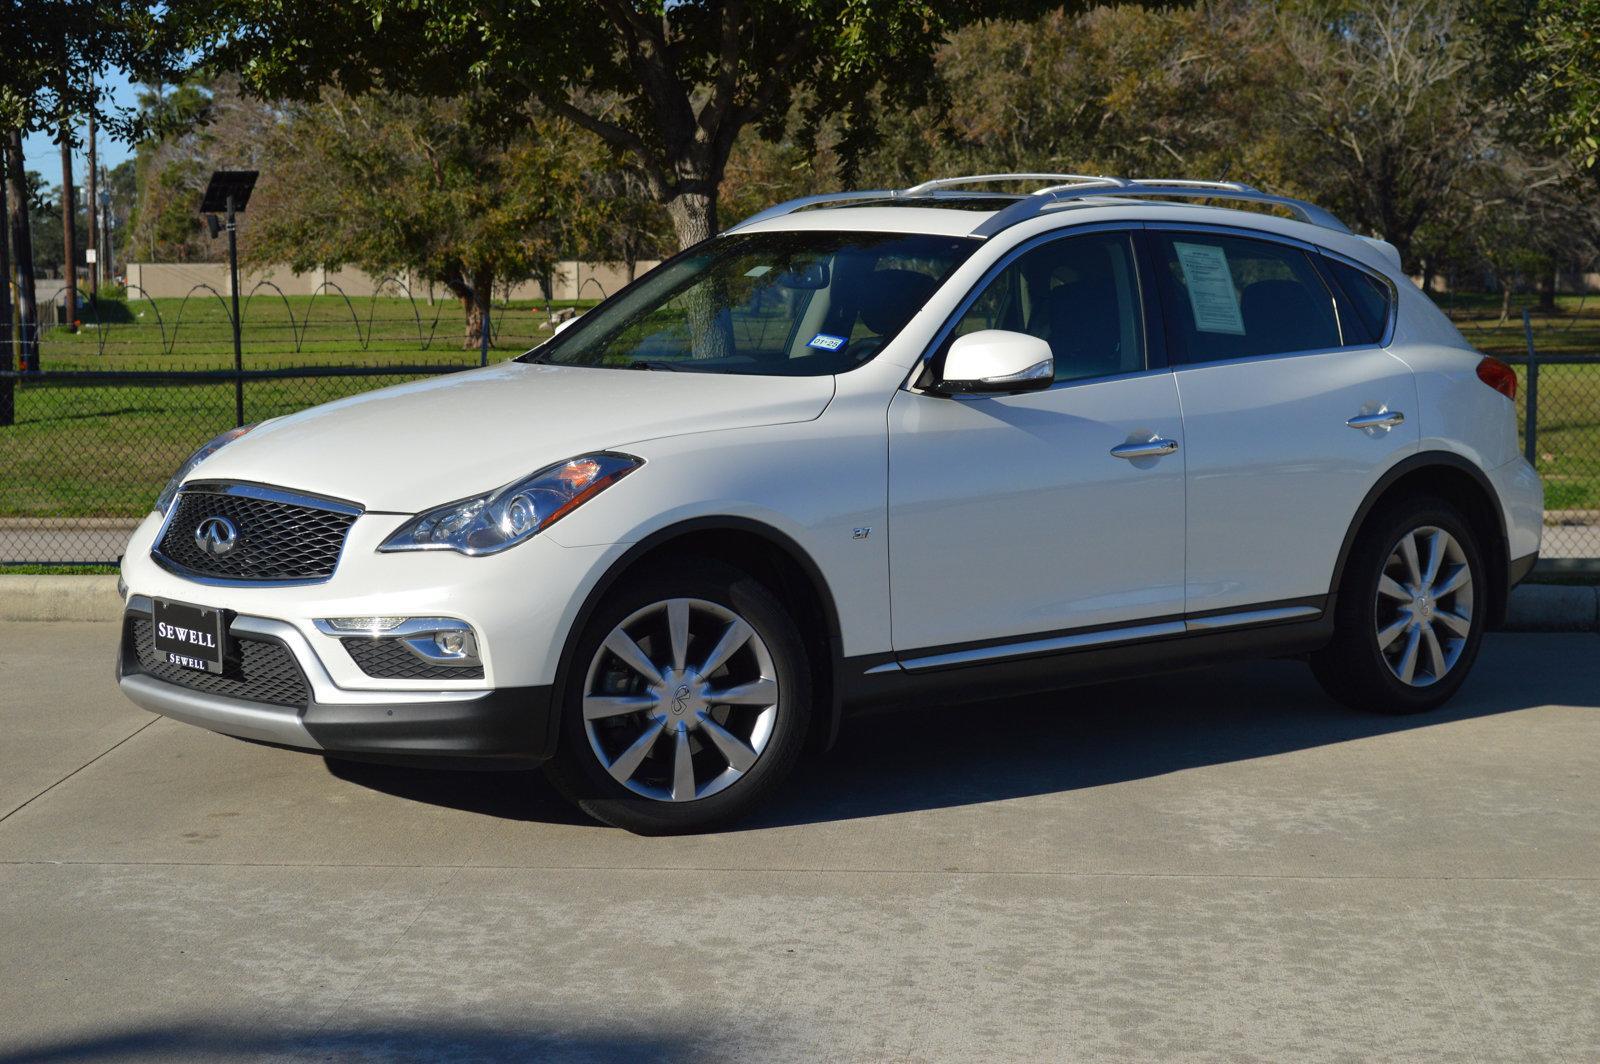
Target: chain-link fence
[93, 436]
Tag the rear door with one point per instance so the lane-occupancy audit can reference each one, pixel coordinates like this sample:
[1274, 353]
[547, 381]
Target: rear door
[1289, 414]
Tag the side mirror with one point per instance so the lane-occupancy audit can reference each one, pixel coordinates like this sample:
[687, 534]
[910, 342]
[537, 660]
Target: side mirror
[562, 325]
[995, 360]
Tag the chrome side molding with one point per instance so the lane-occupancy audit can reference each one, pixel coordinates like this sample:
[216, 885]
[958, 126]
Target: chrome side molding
[1103, 637]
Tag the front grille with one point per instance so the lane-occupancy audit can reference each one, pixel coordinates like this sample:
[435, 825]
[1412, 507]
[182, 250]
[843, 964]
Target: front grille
[276, 540]
[265, 672]
[388, 659]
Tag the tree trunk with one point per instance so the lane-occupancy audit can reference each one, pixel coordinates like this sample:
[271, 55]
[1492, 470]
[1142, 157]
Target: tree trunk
[694, 216]
[474, 320]
[22, 250]
[1547, 291]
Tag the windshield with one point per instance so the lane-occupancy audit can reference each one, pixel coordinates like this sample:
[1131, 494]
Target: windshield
[794, 304]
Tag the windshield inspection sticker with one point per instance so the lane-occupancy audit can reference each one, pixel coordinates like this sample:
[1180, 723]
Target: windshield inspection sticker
[1210, 284]
[757, 271]
[825, 342]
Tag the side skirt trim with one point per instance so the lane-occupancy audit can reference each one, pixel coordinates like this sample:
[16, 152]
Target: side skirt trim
[1210, 622]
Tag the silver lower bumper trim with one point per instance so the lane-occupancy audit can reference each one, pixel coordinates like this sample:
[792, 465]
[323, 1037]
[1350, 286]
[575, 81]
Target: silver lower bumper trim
[230, 716]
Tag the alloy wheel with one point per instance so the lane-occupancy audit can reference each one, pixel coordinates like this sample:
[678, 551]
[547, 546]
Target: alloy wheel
[1424, 606]
[680, 700]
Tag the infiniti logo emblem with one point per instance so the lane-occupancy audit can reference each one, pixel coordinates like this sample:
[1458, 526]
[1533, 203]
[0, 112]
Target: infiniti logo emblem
[215, 536]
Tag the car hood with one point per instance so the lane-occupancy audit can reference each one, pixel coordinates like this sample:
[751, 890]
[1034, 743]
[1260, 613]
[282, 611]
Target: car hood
[420, 445]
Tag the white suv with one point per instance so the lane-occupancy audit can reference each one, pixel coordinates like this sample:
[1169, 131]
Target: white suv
[875, 447]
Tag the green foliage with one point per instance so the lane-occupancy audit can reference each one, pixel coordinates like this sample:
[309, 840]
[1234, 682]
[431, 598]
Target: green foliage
[668, 85]
[1564, 83]
[57, 51]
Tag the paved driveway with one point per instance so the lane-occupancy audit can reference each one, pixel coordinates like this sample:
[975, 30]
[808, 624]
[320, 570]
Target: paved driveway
[1219, 865]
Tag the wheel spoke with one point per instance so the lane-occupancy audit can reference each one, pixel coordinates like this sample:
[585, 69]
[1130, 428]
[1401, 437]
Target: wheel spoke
[1408, 656]
[761, 692]
[598, 707]
[1461, 626]
[1388, 585]
[622, 645]
[1435, 558]
[627, 763]
[1435, 651]
[1408, 553]
[678, 629]
[1391, 633]
[1454, 580]
[682, 767]
[733, 637]
[740, 756]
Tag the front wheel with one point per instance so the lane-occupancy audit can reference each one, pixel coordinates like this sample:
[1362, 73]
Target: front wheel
[1410, 614]
[687, 703]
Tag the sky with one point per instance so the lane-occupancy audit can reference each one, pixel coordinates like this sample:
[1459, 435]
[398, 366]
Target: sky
[40, 153]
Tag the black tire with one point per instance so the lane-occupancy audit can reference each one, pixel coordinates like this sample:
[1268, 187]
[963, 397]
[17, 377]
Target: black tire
[577, 771]
[1353, 668]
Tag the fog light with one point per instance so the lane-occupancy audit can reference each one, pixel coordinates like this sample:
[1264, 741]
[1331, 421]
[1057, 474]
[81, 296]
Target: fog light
[455, 644]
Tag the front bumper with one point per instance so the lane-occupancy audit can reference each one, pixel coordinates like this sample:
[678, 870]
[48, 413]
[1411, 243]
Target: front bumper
[304, 709]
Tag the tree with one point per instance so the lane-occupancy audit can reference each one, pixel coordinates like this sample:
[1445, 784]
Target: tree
[400, 183]
[1563, 87]
[669, 86]
[1379, 116]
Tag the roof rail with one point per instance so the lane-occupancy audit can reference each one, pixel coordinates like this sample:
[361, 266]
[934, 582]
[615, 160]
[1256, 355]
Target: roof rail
[1066, 190]
[1100, 181]
[1064, 195]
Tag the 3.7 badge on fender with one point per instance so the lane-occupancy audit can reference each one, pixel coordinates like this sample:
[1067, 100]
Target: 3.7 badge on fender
[191, 637]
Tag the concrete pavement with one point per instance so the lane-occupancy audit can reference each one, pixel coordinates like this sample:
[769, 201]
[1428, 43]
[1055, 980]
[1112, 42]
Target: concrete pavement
[1218, 865]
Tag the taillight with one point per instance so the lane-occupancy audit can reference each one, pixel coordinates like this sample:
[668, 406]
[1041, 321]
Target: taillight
[1499, 376]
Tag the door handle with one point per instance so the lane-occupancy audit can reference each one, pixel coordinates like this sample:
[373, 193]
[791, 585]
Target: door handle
[1383, 419]
[1154, 447]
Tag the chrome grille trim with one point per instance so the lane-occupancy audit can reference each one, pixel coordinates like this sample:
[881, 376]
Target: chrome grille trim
[316, 565]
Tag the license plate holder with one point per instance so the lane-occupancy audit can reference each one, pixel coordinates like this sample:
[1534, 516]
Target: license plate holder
[189, 636]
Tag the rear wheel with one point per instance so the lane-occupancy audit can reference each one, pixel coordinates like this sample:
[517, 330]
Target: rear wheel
[687, 705]
[1410, 613]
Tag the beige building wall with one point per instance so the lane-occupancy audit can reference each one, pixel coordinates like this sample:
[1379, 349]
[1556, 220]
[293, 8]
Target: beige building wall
[168, 280]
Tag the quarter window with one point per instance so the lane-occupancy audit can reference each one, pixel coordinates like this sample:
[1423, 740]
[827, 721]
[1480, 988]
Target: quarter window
[1364, 310]
[1233, 297]
[1080, 295]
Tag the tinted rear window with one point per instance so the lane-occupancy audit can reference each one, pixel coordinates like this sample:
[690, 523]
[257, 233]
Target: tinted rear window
[1233, 297]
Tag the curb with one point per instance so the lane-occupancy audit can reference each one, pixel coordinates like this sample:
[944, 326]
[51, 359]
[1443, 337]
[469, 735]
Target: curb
[59, 598]
[1533, 607]
[1553, 608]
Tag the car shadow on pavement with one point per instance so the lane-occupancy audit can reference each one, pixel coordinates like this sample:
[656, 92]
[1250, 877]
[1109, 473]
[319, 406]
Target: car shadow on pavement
[205, 1041]
[953, 755]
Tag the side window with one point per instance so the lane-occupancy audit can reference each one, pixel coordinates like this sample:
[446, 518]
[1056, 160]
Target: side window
[1079, 294]
[1364, 308]
[1233, 297]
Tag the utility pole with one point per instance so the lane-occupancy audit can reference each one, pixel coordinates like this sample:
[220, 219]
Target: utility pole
[22, 251]
[94, 227]
[8, 410]
[68, 233]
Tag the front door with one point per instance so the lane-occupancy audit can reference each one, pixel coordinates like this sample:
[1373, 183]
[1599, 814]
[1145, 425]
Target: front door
[1009, 515]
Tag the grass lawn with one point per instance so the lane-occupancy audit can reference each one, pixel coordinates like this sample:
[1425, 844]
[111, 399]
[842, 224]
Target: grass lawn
[1574, 328]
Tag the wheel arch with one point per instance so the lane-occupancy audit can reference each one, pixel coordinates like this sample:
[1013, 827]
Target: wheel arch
[769, 556]
[1459, 482]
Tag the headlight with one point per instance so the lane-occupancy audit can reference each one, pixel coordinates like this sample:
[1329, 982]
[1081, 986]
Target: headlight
[207, 449]
[506, 516]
